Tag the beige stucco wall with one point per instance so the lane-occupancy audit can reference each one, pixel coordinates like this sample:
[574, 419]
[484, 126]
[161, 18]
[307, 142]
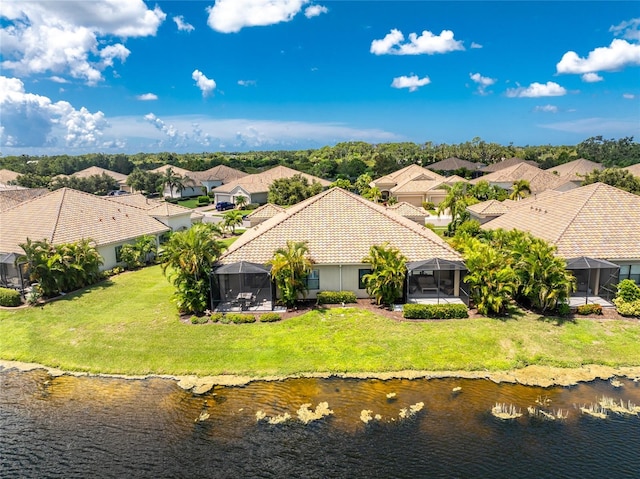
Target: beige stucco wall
[176, 223]
[339, 278]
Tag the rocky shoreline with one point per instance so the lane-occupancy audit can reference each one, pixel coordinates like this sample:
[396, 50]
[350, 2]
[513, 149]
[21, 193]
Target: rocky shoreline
[540, 376]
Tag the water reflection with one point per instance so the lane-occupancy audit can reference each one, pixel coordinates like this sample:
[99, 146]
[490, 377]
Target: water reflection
[68, 426]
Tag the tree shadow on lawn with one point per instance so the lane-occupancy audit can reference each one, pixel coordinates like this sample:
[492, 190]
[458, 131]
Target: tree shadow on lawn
[79, 293]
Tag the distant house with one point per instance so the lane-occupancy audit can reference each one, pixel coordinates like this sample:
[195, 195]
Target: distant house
[421, 189]
[453, 164]
[340, 227]
[539, 180]
[263, 213]
[175, 217]
[66, 216]
[7, 177]
[216, 176]
[634, 169]
[499, 165]
[191, 187]
[488, 210]
[574, 172]
[386, 183]
[414, 213]
[97, 171]
[595, 221]
[256, 187]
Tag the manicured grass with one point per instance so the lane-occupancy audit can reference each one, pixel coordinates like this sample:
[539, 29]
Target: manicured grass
[189, 203]
[129, 326]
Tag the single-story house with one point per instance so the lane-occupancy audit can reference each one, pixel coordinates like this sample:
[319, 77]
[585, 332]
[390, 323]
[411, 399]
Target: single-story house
[414, 213]
[453, 164]
[191, 187]
[67, 216]
[634, 169]
[386, 183]
[256, 187]
[176, 217]
[97, 171]
[7, 177]
[508, 163]
[263, 213]
[420, 189]
[539, 180]
[216, 176]
[596, 221]
[340, 227]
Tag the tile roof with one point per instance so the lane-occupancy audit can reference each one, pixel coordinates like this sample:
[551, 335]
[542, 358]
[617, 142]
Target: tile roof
[454, 163]
[96, 170]
[7, 175]
[489, 208]
[596, 220]
[265, 211]
[221, 172]
[576, 170]
[408, 210]
[506, 164]
[634, 169]
[539, 180]
[260, 182]
[10, 197]
[67, 215]
[340, 227]
[405, 174]
[151, 206]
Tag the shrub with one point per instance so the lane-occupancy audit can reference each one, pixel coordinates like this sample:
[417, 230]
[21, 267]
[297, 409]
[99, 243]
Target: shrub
[204, 200]
[336, 297]
[251, 206]
[428, 205]
[269, 317]
[215, 317]
[199, 319]
[585, 309]
[240, 318]
[627, 308]
[563, 309]
[113, 271]
[628, 291]
[173, 201]
[9, 297]
[225, 319]
[435, 311]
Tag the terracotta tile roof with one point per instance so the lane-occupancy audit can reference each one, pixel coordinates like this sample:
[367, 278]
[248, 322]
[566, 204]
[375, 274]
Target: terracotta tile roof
[596, 220]
[340, 227]
[454, 163]
[96, 170]
[265, 211]
[67, 215]
[408, 210]
[405, 174]
[151, 206]
[11, 198]
[220, 172]
[176, 169]
[575, 170]
[506, 164]
[539, 180]
[260, 182]
[7, 175]
[489, 208]
[634, 169]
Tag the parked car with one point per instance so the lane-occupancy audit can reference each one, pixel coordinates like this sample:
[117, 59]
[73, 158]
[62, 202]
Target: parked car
[117, 193]
[225, 205]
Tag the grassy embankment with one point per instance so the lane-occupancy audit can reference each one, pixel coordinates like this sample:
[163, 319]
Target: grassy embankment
[129, 326]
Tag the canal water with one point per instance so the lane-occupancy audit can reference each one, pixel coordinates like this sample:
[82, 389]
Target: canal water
[97, 427]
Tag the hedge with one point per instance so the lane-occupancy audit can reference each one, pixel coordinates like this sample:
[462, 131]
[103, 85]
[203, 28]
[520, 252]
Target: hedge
[9, 297]
[585, 309]
[627, 308]
[336, 297]
[269, 317]
[435, 311]
[240, 318]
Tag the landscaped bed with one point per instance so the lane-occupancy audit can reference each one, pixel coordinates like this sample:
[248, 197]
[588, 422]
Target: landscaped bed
[129, 326]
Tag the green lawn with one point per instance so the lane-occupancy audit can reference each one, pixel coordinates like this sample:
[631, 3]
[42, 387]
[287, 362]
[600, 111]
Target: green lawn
[129, 326]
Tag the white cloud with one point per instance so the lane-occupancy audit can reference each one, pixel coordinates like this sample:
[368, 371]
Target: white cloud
[483, 82]
[427, 43]
[182, 25]
[475, 45]
[230, 16]
[247, 82]
[315, 10]
[537, 90]
[72, 37]
[628, 96]
[412, 82]
[30, 120]
[614, 57]
[591, 78]
[205, 84]
[147, 97]
[629, 30]
[58, 79]
[547, 108]
[598, 126]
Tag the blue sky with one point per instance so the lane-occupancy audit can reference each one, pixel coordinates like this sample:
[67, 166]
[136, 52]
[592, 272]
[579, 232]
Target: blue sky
[233, 75]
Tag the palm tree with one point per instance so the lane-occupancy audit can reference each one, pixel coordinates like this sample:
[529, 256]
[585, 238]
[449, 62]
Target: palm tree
[241, 201]
[520, 189]
[290, 267]
[188, 257]
[388, 272]
[456, 202]
[173, 180]
[232, 219]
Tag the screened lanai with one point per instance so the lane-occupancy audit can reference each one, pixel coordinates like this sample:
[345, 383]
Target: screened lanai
[436, 280]
[595, 279]
[242, 286]
[12, 274]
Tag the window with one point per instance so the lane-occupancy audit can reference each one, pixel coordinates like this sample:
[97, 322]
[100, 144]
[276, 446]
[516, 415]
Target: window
[630, 271]
[361, 273]
[313, 280]
[118, 253]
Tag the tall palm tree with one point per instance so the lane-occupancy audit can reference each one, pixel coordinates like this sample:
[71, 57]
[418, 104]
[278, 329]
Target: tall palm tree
[241, 201]
[187, 259]
[232, 219]
[388, 272]
[520, 189]
[172, 180]
[456, 201]
[290, 267]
